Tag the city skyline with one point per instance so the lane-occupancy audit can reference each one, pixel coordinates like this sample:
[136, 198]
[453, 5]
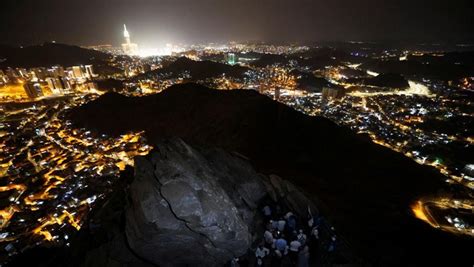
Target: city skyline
[236, 133]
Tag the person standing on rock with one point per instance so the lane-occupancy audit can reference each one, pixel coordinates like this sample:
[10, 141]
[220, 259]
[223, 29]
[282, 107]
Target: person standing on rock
[332, 244]
[294, 250]
[291, 222]
[261, 253]
[281, 225]
[302, 237]
[303, 257]
[273, 225]
[281, 245]
[310, 219]
[314, 242]
[269, 240]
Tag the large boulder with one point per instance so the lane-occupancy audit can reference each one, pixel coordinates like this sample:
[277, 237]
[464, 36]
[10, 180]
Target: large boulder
[192, 206]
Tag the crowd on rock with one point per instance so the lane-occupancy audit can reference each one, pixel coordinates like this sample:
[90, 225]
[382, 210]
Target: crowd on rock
[289, 240]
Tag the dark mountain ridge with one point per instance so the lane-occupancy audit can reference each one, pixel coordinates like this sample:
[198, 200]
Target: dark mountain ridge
[388, 80]
[442, 69]
[49, 54]
[366, 190]
[198, 70]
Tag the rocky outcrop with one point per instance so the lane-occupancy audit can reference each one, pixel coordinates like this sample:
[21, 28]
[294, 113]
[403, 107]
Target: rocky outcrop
[192, 207]
[183, 206]
[284, 192]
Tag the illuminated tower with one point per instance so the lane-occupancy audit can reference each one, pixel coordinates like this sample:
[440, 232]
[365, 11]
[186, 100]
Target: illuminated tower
[128, 47]
[231, 59]
[126, 34]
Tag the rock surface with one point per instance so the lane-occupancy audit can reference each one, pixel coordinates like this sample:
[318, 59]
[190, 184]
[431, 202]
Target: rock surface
[192, 207]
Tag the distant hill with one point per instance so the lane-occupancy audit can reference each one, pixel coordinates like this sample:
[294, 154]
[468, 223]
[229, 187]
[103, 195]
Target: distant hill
[364, 189]
[110, 85]
[309, 82]
[199, 70]
[106, 70]
[352, 73]
[270, 59]
[316, 58]
[49, 54]
[465, 58]
[389, 80]
[450, 67]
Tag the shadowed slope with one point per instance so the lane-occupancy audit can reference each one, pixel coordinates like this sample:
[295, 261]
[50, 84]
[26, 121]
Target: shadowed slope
[199, 70]
[366, 189]
[49, 54]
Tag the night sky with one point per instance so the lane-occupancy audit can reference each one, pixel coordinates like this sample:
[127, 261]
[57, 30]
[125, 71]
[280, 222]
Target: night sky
[156, 22]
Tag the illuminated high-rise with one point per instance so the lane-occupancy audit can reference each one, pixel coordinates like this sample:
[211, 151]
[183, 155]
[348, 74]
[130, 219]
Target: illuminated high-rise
[231, 59]
[3, 77]
[33, 90]
[89, 71]
[126, 34]
[56, 85]
[78, 72]
[128, 47]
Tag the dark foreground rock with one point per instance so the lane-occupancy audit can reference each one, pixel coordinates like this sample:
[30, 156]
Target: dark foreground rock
[192, 208]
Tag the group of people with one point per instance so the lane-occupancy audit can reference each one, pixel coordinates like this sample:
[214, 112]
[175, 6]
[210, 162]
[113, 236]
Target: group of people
[289, 240]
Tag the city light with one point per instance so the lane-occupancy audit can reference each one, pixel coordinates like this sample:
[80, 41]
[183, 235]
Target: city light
[57, 172]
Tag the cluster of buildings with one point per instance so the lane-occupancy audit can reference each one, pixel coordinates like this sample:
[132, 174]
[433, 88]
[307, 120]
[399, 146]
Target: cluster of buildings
[56, 80]
[266, 48]
[54, 173]
[132, 49]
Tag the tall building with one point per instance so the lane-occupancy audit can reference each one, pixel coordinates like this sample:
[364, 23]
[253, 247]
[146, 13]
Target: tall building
[77, 72]
[11, 74]
[66, 84]
[277, 93]
[39, 73]
[24, 73]
[128, 47]
[56, 71]
[89, 71]
[3, 78]
[33, 90]
[332, 92]
[56, 85]
[91, 86]
[231, 59]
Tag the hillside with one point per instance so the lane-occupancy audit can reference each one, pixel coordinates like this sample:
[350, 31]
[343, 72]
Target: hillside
[198, 70]
[49, 54]
[364, 189]
[441, 69]
[309, 82]
[389, 80]
[315, 58]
